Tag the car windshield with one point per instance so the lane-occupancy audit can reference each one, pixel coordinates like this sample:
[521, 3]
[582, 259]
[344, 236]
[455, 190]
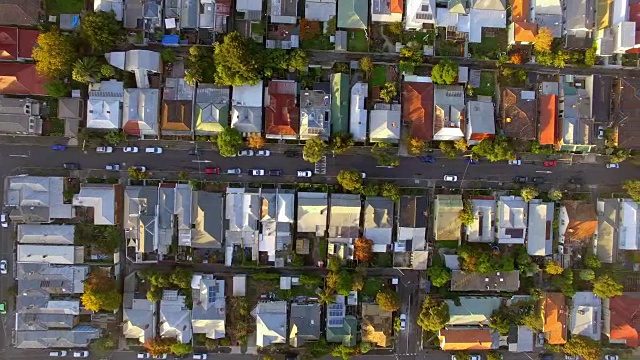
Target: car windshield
[2, 307]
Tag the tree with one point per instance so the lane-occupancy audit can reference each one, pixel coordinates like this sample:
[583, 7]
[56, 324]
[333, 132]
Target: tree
[309, 29]
[274, 61]
[592, 262]
[605, 287]
[333, 263]
[326, 296]
[553, 267]
[385, 154]
[544, 39]
[86, 70]
[496, 150]
[388, 92]
[560, 59]
[366, 65]
[587, 274]
[159, 346]
[529, 193]
[554, 195]
[439, 275]
[255, 141]
[447, 149]
[434, 314]
[168, 55]
[363, 249]
[154, 294]
[501, 320]
[392, 191]
[314, 149]
[100, 292]
[332, 280]
[107, 71]
[101, 30]
[57, 88]
[229, 142]
[406, 67]
[632, 187]
[416, 146]
[445, 72]
[388, 300]
[345, 283]
[115, 137]
[103, 345]
[298, 60]
[181, 277]
[350, 180]
[341, 142]
[137, 174]
[583, 347]
[461, 144]
[466, 215]
[180, 349]
[358, 282]
[365, 347]
[54, 54]
[237, 61]
[516, 58]
[343, 352]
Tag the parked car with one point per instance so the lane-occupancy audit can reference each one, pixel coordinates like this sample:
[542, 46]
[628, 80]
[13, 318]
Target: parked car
[291, 153]
[256, 172]
[143, 356]
[246, 152]
[59, 147]
[212, 170]
[613, 166]
[195, 152]
[153, 150]
[131, 149]
[234, 171]
[71, 166]
[3, 308]
[105, 149]
[520, 179]
[363, 175]
[517, 162]
[276, 172]
[200, 356]
[600, 132]
[58, 353]
[140, 168]
[428, 159]
[472, 357]
[611, 357]
[473, 161]
[113, 167]
[403, 321]
[81, 354]
[304, 173]
[550, 163]
[538, 180]
[450, 178]
[163, 356]
[3, 267]
[263, 153]
[4, 220]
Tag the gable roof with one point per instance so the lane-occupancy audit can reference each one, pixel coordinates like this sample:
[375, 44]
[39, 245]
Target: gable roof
[140, 111]
[70, 108]
[497, 5]
[628, 114]
[525, 31]
[20, 12]
[448, 113]
[583, 219]
[304, 323]
[548, 119]
[212, 108]
[20, 79]
[282, 113]
[446, 223]
[353, 14]
[208, 229]
[271, 323]
[465, 339]
[17, 43]
[472, 311]
[470, 281]
[417, 102]
[519, 113]
[384, 123]
[376, 325]
[620, 321]
[520, 10]
[554, 314]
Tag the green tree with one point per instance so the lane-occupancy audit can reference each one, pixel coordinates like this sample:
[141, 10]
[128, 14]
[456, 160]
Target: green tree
[406, 67]
[466, 214]
[388, 92]
[445, 72]
[298, 60]
[605, 287]
[529, 193]
[333, 264]
[181, 277]
[229, 142]
[55, 54]
[326, 296]
[237, 61]
[496, 150]
[341, 142]
[591, 261]
[314, 149]
[584, 347]
[370, 190]
[200, 66]
[274, 61]
[154, 294]
[365, 347]
[180, 349]
[366, 65]
[101, 30]
[392, 191]
[385, 154]
[560, 59]
[461, 144]
[103, 345]
[388, 300]
[350, 180]
[632, 187]
[553, 267]
[137, 174]
[107, 71]
[345, 283]
[439, 275]
[57, 88]
[434, 314]
[168, 56]
[502, 320]
[448, 150]
[343, 352]
[587, 274]
[554, 195]
[115, 137]
[86, 70]
[494, 356]
[415, 146]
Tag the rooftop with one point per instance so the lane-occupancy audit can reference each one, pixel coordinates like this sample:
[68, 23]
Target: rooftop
[418, 102]
[102, 199]
[586, 315]
[628, 113]
[620, 319]
[312, 212]
[141, 112]
[540, 237]
[511, 220]
[384, 123]
[281, 111]
[353, 14]
[17, 43]
[482, 229]
[448, 116]
[271, 323]
[519, 114]
[582, 220]
[508, 281]
[304, 323]
[20, 79]
[378, 219]
[472, 311]
[377, 325]
[446, 223]
[20, 12]
[344, 216]
[554, 314]
[467, 339]
[548, 131]
[208, 220]
[46, 234]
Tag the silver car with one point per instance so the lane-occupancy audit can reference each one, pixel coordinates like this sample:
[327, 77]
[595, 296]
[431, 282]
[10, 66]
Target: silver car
[263, 153]
[450, 178]
[257, 172]
[3, 267]
[304, 173]
[246, 152]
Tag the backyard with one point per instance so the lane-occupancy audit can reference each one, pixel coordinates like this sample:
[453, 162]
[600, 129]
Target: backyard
[379, 75]
[444, 47]
[487, 84]
[357, 41]
[57, 7]
[494, 43]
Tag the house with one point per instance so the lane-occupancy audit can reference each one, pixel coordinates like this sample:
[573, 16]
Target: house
[142, 14]
[601, 91]
[520, 339]
[455, 18]
[627, 114]
[340, 327]
[578, 222]
[410, 250]
[214, 14]
[579, 22]
[620, 324]
[36, 199]
[378, 222]
[358, 112]
[339, 103]
[312, 213]
[175, 317]
[628, 229]
[634, 16]
[586, 315]
[281, 110]
[20, 12]
[518, 108]
[480, 122]
[319, 10]
[139, 62]
[101, 198]
[114, 6]
[418, 13]
[376, 325]
[20, 79]
[511, 227]
[353, 14]
[384, 123]
[540, 229]
[271, 323]
[344, 224]
[387, 11]
[276, 216]
[608, 218]
[549, 14]
[315, 114]
[103, 106]
[50, 254]
[140, 220]
[242, 213]
[246, 108]
[483, 227]
[472, 311]
[448, 114]
[45, 234]
[209, 306]
[522, 30]
[139, 319]
[486, 14]
[446, 225]
[209, 224]
[17, 44]
[20, 116]
[508, 281]
[576, 118]
[141, 112]
[211, 109]
[175, 214]
[468, 339]
[548, 110]
[554, 316]
[177, 107]
[417, 108]
[71, 110]
[304, 323]
[283, 11]
[624, 36]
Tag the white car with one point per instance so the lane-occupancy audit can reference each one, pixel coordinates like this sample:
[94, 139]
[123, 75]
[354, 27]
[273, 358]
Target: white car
[450, 178]
[200, 356]
[131, 149]
[163, 356]
[58, 353]
[153, 150]
[263, 153]
[139, 168]
[515, 162]
[256, 172]
[613, 166]
[472, 357]
[234, 171]
[403, 321]
[247, 152]
[611, 357]
[81, 354]
[304, 173]
[364, 175]
[112, 167]
[144, 356]
[104, 149]
[3, 221]
[3, 267]
[601, 136]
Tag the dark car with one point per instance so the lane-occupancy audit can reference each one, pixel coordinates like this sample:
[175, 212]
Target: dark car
[473, 161]
[538, 180]
[428, 159]
[195, 152]
[59, 147]
[71, 166]
[276, 172]
[291, 153]
[520, 179]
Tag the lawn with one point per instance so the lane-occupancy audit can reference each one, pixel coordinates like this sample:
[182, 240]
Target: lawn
[357, 41]
[494, 42]
[487, 84]
[319, 42]
[379, 76]
[57, 7]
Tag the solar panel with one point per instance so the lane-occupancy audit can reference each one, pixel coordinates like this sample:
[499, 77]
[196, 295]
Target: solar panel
[212, 294]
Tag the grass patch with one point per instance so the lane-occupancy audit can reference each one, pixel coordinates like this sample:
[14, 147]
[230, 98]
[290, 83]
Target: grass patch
[487, 84]
[319, 42]
[57, 7]
[447, 244]
[493, 43]
[420, 38]
[57, 127]
[379, 76]
[357, 41]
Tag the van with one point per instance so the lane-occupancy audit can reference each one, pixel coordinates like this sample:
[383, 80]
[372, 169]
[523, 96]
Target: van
[58, 353]
[234, 171]
[200, 356]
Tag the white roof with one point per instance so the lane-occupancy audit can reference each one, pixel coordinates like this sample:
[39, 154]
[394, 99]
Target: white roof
[480, 118]
[512, 214]
[46, 234]
[243, 5]
[142, 62]
[586, 315]
[103, 107]
[248, 95]
[319, 10]
[547, 7]
[384, 125]
[312, 212]
[142, 107]
[446, 18]
[101, 199]
[109, 5]
[540, 237]
[629, 226]
[271, 323]
[413, 7]
[482, 209]
[116, 59]
[485, 19]
[358, 112]
[175, 317]
[50, 254]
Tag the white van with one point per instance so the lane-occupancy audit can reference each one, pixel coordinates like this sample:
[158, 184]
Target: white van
[200, 356]
[58, 353]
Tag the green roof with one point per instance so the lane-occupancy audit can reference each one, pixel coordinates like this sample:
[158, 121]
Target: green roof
[339, 103]
[353, 14]
[213, 118]
[345, 334]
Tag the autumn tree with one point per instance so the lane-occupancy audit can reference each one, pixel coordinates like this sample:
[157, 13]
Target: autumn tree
[55, 54]
[314, 149]
[390, 190]
[544, 39]
[445, 72]
[529, 193]
[416, 146]
[552, 267]
[341, 142]
[388, 300]
[516, 58]
[350, 180]
[86, 70]
[461, 144]
[100, 292]
[229, 141]
[237, 61]
[363, 249]
[554, 195]
[466, 214]
[388, 92]
[326, 296]
[159, 346]
[255, 141]
[583, 347]
[101, 30]
[434, 314]
[632, 187]
[366, 65]
[605, 287]
[332, 280]
[309, 29]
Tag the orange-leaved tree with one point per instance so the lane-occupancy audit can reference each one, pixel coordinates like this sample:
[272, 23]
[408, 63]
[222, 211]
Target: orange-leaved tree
[363, 249]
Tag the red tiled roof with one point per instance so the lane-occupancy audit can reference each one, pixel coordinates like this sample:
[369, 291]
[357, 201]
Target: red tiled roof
[27, 40]
[555, 318]
[519, 10]
[19, 12]
[525, 31]
[397, 6]
[634, 15]
[518, 115]
[8, 43]
[20, 79]
[624, 323]
[417, 107]
[548, 119]
[465, 339]
[282, 116]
